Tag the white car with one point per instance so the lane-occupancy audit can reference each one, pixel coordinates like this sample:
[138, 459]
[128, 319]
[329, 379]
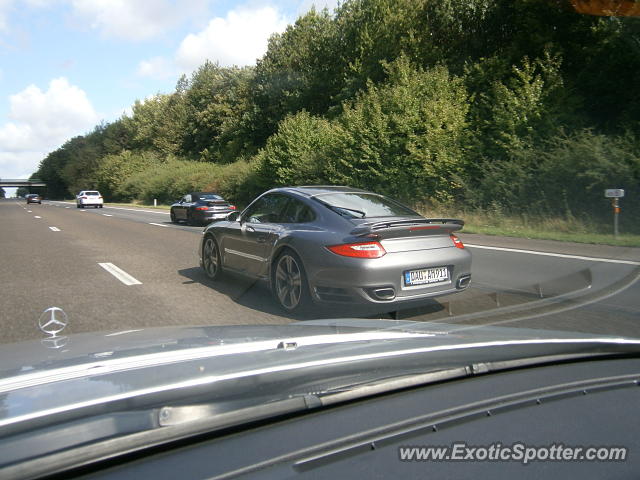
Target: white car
[89, 198]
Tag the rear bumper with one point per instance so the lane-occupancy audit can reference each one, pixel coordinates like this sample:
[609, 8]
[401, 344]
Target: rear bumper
[208, 217]
[335, 279]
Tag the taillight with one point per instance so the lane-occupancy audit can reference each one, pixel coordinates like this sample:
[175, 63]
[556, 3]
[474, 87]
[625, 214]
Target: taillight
[84, 198]
[456, 241]
[202, 208]
[359, 250]
[233, 207]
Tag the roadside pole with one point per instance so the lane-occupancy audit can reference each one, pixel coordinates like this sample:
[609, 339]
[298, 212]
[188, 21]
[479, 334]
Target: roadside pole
[615, 194]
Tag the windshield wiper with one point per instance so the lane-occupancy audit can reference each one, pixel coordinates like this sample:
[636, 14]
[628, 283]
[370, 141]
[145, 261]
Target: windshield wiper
[337, 209]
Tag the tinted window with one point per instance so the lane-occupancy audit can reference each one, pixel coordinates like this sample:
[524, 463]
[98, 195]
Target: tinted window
[355, 204]
[268, 209]
[92, 193]
[297, 212]
[210, 196]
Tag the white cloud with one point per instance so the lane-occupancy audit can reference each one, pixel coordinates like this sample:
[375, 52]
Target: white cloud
[158, 67]
[135, 19]
[5, 6]
[238, 39]
[40, 121]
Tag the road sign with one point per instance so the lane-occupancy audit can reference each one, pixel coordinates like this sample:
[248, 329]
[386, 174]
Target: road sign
[614, 193]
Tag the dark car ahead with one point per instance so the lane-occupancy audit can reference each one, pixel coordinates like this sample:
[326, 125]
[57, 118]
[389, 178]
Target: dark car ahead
[34, 198]
[200, 208]
[338, 244]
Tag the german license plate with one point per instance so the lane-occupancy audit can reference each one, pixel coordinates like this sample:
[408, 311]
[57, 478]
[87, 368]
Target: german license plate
[426, 276]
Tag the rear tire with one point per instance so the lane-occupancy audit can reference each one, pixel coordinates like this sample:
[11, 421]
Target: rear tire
[211, 258]
[289, 282]
[173, 217]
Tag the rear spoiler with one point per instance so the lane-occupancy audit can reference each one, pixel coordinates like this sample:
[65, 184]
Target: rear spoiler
[367, 228]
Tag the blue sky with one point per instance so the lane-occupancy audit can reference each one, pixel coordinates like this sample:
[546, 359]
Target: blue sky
[67, 65]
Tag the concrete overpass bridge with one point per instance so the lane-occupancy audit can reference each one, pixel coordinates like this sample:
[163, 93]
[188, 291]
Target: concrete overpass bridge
[21, 182]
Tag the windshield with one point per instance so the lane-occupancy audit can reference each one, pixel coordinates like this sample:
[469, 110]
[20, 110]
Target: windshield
[453, 168]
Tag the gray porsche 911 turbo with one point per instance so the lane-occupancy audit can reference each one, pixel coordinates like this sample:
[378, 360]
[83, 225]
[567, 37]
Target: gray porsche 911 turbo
[330, 244]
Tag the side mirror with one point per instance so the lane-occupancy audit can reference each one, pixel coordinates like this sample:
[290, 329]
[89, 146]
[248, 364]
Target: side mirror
[233, 216]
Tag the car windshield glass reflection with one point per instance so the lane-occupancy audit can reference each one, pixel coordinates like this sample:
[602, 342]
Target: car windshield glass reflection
[268, 209]
[355, 204]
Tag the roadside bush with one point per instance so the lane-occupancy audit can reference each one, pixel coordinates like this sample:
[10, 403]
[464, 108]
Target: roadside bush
[298, 153]
[403, 138]
[115, 169]
[170, 180]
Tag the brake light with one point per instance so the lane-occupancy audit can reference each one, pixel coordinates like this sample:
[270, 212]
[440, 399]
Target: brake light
[84, 198]
[359, 250]
[233, 207]
[456, 241]
[202, 208]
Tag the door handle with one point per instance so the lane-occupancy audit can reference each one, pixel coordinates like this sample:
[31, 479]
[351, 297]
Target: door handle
[250, 228]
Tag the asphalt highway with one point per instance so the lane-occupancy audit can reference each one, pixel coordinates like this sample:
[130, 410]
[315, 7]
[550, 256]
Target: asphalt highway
[118, 269]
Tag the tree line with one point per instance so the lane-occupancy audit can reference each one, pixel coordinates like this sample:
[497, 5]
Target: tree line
[517, 106]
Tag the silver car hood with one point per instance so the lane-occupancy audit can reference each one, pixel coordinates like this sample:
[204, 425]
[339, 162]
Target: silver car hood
[159, 366]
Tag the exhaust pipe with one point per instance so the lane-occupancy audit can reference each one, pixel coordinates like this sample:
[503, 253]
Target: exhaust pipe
[463, 281]
[385, 293]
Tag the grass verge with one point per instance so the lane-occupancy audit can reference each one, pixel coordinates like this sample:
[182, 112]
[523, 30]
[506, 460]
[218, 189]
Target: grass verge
[546, 228]
[139, 205]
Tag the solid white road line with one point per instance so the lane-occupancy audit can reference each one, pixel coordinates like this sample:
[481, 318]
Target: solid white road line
[559, 255]
[138, 210]
[133, 209]
[54, 229]
[158, 224]
[120, 274]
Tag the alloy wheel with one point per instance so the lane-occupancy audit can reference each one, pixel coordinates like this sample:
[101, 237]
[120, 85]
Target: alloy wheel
[288, 282]
[211, 258]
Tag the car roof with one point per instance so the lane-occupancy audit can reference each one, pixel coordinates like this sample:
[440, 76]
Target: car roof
[313, 190]
[204, 193]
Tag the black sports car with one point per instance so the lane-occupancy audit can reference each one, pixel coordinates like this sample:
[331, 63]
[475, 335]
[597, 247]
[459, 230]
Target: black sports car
[200, 208]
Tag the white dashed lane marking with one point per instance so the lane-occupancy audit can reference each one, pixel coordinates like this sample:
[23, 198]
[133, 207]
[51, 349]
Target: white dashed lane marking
[120, 274]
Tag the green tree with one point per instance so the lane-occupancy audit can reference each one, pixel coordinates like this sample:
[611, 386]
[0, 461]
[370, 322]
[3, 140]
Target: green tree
[298, 72]
[216, 100]
[158, 123]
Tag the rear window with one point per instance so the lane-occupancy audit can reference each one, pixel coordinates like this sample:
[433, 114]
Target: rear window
[92, 193]
[209, 196]
[365, 205]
